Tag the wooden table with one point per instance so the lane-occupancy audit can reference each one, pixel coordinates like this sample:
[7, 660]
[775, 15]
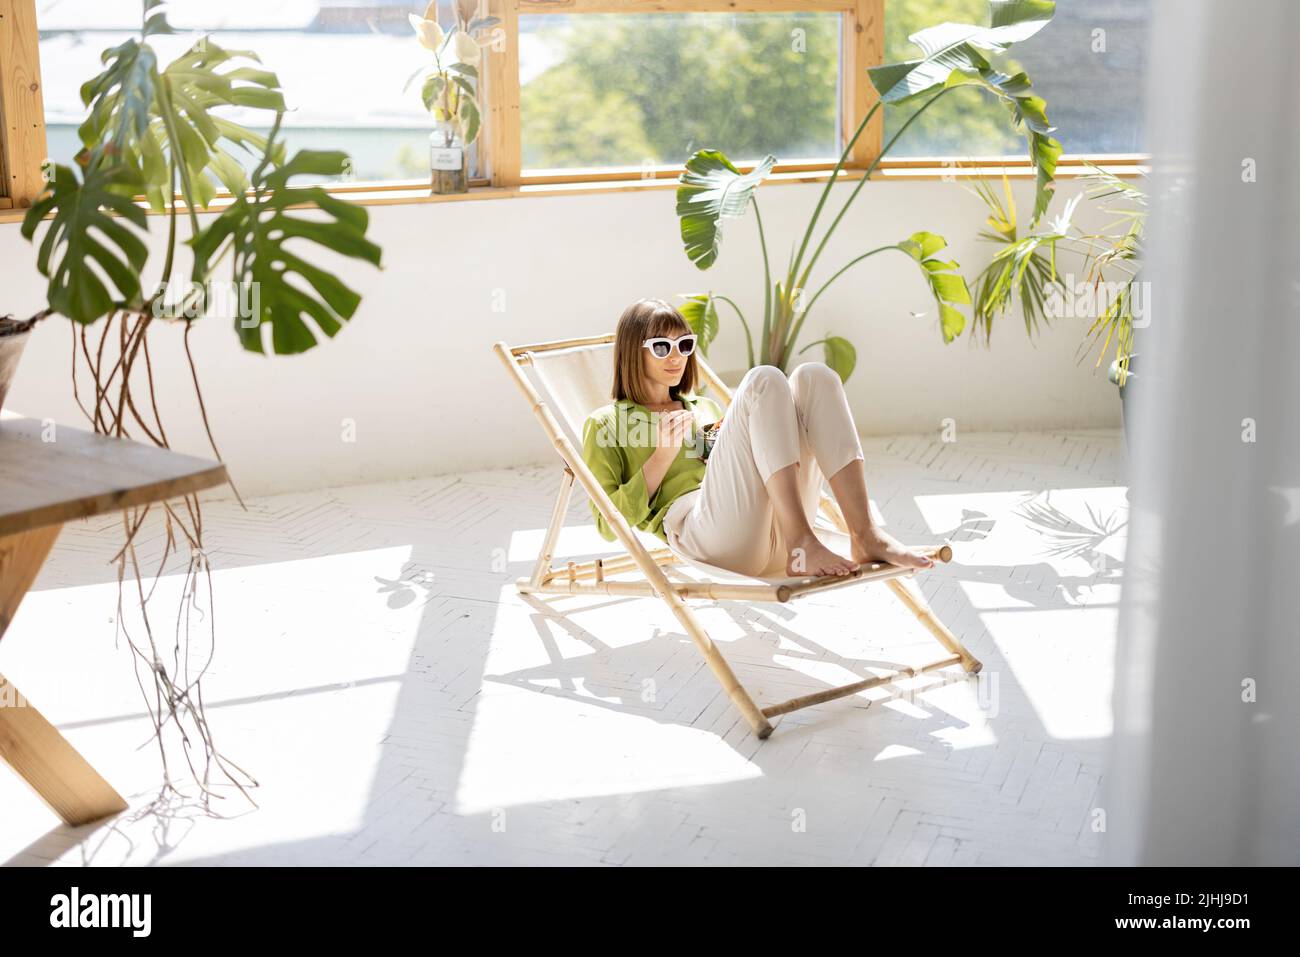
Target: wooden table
[45, 480]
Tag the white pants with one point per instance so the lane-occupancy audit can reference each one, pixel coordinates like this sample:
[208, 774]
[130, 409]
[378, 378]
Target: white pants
[773, 422]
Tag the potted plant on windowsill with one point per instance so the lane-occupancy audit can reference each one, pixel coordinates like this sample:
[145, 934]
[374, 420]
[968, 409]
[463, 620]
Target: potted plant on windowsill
[954, 56]
[158, 132]
[449, 90]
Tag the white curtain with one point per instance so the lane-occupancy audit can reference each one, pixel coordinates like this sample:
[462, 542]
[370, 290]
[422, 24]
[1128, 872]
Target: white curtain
[1205, 762]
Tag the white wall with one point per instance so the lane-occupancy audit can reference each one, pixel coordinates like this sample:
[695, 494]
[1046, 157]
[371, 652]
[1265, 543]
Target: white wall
[415, 370]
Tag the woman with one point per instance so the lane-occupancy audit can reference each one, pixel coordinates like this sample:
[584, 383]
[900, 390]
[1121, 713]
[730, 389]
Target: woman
[749, 506]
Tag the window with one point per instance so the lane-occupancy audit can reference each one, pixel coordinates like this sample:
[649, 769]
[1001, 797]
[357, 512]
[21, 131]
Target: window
[1088, 64]
[646, 90]
[582, 90]
[341, 63]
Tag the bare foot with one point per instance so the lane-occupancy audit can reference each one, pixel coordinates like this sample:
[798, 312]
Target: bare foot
[873, 545]
[810, 557]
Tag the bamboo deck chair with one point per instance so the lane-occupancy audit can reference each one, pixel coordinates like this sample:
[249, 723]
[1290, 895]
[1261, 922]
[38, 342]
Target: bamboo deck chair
[570, 379]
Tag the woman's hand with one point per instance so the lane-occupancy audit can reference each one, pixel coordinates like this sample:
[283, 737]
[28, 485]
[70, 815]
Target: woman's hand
[675, 428]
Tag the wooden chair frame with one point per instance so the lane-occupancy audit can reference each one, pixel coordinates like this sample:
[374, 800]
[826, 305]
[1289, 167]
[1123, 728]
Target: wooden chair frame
[590, 577]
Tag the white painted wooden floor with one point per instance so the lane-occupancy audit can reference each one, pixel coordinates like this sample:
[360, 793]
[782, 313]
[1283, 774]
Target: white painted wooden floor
[400, 703]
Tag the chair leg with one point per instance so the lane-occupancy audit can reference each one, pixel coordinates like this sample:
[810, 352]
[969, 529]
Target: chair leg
[910, 595]
[718, 665]
[543, 566]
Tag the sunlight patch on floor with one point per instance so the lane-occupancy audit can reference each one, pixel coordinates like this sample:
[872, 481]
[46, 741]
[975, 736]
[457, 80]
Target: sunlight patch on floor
[556, 720]
[305, 686]
[1062, 662]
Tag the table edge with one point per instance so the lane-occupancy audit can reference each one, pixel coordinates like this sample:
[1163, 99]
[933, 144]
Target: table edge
[162, 490]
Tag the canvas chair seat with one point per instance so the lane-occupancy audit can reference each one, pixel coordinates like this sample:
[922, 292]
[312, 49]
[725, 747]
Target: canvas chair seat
[564, 381]
[832, 538]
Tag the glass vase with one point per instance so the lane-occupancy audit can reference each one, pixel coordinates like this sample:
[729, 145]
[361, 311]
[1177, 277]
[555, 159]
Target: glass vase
[447, 158]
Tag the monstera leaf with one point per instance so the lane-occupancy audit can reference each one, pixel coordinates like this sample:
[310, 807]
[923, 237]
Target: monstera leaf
[711, 190]
[945, 283]
[188, 89]
[120, 98]
[289, 293]
[84, 239]
[144, 117]
[953, 58]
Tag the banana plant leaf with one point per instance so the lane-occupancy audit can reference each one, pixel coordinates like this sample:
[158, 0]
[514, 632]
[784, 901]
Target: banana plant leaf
[1029, 113]
[267, 235]
[840, 355]
[701, 314]
[946, 284]
[712, 189]
[956, 46]
[953, 58]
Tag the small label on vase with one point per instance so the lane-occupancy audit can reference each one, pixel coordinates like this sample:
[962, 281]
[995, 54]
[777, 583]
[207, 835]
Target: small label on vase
[446, 157]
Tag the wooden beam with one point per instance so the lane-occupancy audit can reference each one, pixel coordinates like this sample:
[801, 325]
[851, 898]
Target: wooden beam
[28, 742]
[43, 758]
[862, 46]
[1021, 161]
[843, 691]
[22, 107]
[530, 7]
[504, 152]
[21, 557]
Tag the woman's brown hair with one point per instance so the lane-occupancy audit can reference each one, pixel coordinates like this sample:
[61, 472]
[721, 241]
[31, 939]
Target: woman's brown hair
[640, 321]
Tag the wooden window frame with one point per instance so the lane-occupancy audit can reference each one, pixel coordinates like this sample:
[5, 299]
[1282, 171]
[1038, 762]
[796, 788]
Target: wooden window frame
[23, 138]
[862, 45]
[22, 107]
[862, 38]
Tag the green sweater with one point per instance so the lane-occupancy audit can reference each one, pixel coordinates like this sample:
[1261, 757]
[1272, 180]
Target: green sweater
[618, 439]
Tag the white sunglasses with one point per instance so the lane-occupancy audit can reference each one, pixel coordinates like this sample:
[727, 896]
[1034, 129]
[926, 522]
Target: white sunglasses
[661, 348]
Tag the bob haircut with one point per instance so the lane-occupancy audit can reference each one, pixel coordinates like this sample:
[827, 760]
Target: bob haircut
[644, 319]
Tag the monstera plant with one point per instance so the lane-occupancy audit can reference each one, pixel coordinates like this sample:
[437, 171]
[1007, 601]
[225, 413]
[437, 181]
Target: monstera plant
[954, 56]
[156, 137]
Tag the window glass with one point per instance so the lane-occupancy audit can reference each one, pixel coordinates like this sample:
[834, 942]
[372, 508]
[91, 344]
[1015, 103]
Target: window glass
[1088, 63]
[341, 63]
[638, 90]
